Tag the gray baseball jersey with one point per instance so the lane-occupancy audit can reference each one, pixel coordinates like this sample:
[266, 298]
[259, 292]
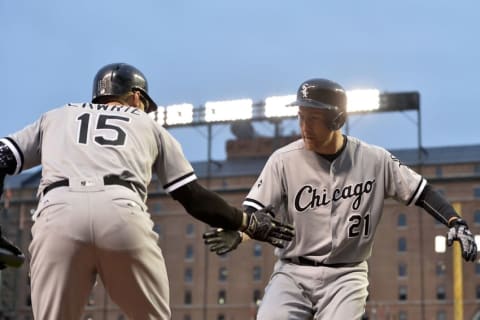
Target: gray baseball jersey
[93, 227]
[334, 206]
[120, 140]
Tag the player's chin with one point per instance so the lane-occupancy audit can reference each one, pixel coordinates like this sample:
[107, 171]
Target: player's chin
[309, 143]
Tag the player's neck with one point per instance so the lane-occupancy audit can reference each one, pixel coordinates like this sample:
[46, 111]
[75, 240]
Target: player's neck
[331, 157]
[335, 145]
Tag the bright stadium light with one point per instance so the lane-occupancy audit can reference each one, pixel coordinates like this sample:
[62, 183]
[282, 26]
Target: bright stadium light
[363, 100]
[230, 110]
[276, 106]
[179, 114]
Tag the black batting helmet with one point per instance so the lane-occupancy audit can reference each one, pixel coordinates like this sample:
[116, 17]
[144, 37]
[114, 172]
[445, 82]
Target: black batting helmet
[324, 94]
[117, 79]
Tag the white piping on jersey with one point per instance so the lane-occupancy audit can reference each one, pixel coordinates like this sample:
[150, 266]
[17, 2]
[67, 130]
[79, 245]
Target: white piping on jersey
[16, 154]
[423, 183]
[180, 183]
[252, 204]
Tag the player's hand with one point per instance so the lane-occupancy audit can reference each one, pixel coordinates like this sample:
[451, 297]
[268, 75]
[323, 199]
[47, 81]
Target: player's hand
[263, 226]
[222, 241]
[10, 255]
[459, 231]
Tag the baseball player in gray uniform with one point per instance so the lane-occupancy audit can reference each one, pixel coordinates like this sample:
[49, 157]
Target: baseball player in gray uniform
[97, 160]
[331, 187]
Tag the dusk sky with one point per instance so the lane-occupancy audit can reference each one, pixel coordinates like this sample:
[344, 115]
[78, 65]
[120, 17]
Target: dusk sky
[199, 51]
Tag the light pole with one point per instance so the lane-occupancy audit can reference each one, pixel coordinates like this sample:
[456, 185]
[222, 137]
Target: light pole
[440, 247]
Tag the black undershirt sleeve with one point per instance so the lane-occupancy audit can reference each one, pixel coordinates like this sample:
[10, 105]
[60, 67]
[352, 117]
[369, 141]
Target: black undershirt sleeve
[207, 206]
[436, 205]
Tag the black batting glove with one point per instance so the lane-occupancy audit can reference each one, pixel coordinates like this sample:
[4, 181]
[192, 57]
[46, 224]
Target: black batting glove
[10, 255]
[459, 232]
[2, 178]
[222, 241]
[263, 226]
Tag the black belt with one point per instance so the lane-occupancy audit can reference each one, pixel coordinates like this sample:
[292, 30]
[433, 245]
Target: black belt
[302, 261]
[107, 180]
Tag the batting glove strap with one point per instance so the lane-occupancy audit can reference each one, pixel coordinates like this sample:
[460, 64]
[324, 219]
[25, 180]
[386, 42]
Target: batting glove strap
[459, 232]
[262, 226]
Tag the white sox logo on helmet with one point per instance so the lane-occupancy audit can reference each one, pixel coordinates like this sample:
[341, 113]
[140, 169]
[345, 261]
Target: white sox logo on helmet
[304, 90]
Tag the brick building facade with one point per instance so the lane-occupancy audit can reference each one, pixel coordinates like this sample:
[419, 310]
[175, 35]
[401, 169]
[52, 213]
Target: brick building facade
[408, 280]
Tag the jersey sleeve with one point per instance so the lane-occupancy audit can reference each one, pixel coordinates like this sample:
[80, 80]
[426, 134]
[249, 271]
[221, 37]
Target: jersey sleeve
[171, 166]
[26, 146]
[269, 187]
[402, 183]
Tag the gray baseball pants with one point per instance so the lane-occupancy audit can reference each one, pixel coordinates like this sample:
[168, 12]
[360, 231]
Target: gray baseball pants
[82, 232]
[297, 292]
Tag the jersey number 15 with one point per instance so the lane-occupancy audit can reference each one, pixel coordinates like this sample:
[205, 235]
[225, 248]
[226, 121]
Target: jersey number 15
[102, 123]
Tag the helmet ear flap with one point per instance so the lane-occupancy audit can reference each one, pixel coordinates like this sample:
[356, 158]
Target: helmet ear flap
[337, 119]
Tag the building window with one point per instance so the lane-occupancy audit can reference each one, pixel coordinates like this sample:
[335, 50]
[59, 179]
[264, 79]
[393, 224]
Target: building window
[187, 298]
[477, 269]
[402, 244]
[402, 220]
[190, 230]
[476, 169]
[477, 292]
[441, 295]
[157, 208]
[402, 293]
[441, 315]
[402, 270]
[440, 269]
[91, 299]
[222, 297]
[402, 315]
[222, 274]
[476, 192]
[158, 229]
[257, 297]
[188, 275]
[476, 217]
[257, 273]
[257, 250]
[438, 171]
[189, 252]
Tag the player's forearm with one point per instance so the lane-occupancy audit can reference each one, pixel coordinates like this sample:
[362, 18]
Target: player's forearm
[436, 205]
[209, 207]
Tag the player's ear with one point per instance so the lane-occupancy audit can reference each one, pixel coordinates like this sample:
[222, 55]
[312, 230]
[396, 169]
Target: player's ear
[137, 100]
